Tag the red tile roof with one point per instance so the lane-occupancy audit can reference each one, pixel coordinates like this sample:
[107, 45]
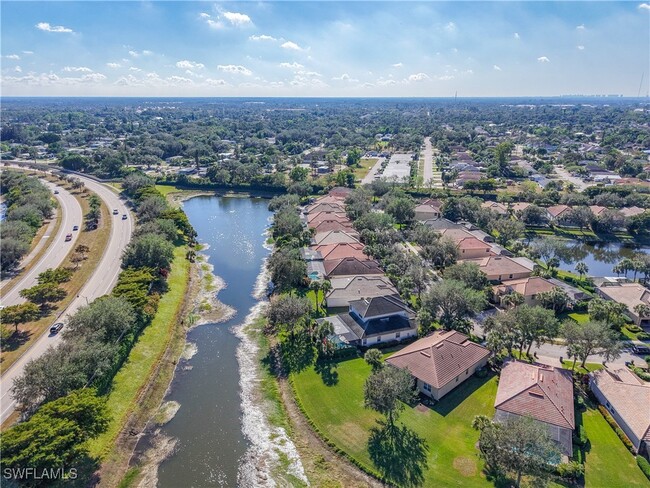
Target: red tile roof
[542, 392]
[439, 358]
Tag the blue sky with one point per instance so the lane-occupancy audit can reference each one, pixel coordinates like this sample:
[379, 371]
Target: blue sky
[324, 48]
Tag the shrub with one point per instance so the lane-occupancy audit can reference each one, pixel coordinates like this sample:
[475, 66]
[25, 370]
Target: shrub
[644, 375]
[644, 465]
[571, 470]
[643, 336]
[580, 403]
[633, 328]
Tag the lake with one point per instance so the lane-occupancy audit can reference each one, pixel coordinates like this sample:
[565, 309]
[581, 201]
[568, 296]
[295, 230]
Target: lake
[599, 257]
[208, 425]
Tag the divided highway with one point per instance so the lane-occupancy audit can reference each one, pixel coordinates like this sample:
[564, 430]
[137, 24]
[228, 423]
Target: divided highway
[57, 247]
[100, 283]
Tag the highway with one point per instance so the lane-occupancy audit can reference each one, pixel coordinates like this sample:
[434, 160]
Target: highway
[100, 283]
[57, 248]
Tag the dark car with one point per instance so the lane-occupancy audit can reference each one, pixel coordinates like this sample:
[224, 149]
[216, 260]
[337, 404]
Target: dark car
[68, 237]
[640, 349]
[56, 192]
[56, 328]
[115, 212]
[75, 227]
[124, 217]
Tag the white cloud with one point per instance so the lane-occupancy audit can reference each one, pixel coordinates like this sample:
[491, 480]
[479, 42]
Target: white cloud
[444, 77]
[397, 65]
[28, 52]
[543, 59]
[134, 54]
[263, 37]
[581, 27]
[291, 45]
[45, 26]
[179, 80]
[418, 77]
[18, 69]
[203, 15]
[147, 53]
[133, 68]
[386, 82]
[345, 77]
[644, 6]
[137, 54]
[77, 69]
[93, 78]
[114, 65]
[581, 48]
[237, 19]
[215, 24]
[186, 64]
[12, 56]
[516, 35]
[293, 65]
[213, 82]
[496, 68]
[235, 69]
[450, 27]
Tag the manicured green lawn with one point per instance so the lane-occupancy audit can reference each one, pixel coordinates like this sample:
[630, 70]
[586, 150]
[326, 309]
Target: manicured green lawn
[608, 464]
[143, 357]
[366, 164]
[589, 367]
[581, 318]
[338, 413]
[166, 189]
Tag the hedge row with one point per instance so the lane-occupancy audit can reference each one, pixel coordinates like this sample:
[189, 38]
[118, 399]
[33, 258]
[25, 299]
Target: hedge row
[617, 429]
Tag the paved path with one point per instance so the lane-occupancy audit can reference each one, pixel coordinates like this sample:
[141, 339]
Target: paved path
[566, 176]
[370, 177]
[427, 154]
[58, 248]
[100, 283]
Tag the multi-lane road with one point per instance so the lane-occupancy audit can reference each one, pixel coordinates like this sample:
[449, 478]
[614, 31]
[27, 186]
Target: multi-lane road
[100, 283]
[57, 247]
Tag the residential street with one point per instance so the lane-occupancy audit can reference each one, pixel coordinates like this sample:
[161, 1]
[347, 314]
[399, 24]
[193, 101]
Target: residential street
[566, 176]
[370, 177]
[100, 283]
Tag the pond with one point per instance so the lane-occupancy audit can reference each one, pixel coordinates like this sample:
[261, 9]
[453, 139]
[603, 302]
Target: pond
[600, 257]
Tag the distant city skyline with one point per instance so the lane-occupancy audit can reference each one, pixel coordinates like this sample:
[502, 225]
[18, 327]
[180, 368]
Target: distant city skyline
[324, 49]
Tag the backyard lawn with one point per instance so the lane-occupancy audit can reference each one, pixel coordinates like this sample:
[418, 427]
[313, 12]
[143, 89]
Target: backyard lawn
[338, 413]
[608, 463]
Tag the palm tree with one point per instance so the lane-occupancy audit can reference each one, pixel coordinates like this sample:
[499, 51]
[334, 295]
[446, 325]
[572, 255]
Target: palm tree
[582, 269]
[642, 310]
[325, 287]
[315, 286]
[513, 299]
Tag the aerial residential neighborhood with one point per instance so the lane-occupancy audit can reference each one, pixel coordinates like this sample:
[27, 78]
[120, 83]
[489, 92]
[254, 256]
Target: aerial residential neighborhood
[325, 244]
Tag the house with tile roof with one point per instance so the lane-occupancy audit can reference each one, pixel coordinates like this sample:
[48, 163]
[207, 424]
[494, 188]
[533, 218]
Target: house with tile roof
[351, 266]
[530, 288]
[428, 210]
[316, 218]
[372, 321]
[496, 207]
[557, 211]
[629, 212]
[541, 392]
[341, 250]
[335, 237]
[627, 399]
[472, 248]
[631, 295]
[500, 268]
[328, 225]
[441, 361]
[349, 288]
[317, 207]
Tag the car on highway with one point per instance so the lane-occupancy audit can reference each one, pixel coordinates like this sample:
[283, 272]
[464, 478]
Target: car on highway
[124, 217]
[56, 192]
[68, 237]
[75, 227]
[56, 328]
[115, 212]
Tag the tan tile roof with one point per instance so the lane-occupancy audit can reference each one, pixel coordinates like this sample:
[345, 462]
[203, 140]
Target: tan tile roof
[526, 286]
[495, 206]
[325, 207]
[631, 211]
[330, 199]
[627, 394]
[499, 265]
[542, 392]
[557, 210]
[328, 225]
[629, 294]
[472, 243]
[597, 209]
[341, 250]
[351, 266]
[335, 236]
[520, 206]
[455, 234]
[439, 358]
[321, 216]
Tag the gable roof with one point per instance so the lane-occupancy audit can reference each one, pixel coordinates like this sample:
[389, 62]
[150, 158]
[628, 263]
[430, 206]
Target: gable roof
[629, 294]
[543, 392]
[351, 266]
[327, 225]
[439, 358]
[626, 393]
[497, 207]
[455, 233]
[472, 243]
[631, 211]
[528, 287]
[382, 305]
[321, 216]
[520, 206]
[335, 236]
[325, 207]
[597, 209]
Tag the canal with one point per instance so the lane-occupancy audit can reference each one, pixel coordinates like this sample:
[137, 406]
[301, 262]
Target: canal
[211, 446]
